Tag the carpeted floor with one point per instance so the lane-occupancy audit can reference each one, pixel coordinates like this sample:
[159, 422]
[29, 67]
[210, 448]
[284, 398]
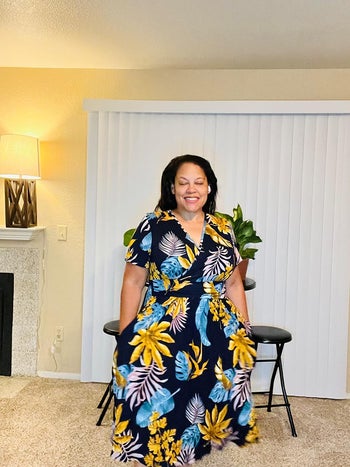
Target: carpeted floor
[47, 422]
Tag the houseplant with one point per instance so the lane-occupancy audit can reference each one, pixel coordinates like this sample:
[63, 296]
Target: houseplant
[245, 235]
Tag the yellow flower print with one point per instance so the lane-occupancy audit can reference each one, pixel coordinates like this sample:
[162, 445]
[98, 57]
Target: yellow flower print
[195, 362]
[177, 309]
[155, 424]
[209, 288]
[153, 271]
[243, 349]
[149, 460]
[166, 281]
[253, 433]
[147, 309]
[219, 312]
[191, 255]
[162, 444]
[225, 274]
[216, 426]
[119, 435]
[220, 375]
[148, 344]
[177, 285]
[165, 216]
[154, 444]
[221, 223]
[167, 438]
[173, 451]
[129, 254]
[176, 306]
[216, 237]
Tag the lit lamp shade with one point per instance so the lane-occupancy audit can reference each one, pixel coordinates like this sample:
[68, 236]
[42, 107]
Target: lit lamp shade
[20, 166]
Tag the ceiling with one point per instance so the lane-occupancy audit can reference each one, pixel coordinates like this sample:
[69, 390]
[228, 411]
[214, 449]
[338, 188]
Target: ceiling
[175, 34]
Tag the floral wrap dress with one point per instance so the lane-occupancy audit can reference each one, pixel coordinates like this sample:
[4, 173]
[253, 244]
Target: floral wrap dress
[182, 367]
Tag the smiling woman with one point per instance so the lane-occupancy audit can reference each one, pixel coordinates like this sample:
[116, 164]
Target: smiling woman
[177, 395]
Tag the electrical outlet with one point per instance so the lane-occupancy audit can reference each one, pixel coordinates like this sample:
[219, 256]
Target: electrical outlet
[59, 334]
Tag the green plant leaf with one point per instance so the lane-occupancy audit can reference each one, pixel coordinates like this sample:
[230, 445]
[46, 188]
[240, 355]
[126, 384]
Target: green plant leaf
[248, 253]
[128, 236]
[237, 214]
[244, 232]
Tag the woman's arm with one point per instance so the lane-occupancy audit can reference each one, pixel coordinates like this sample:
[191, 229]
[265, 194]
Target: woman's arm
[235, 292]
[134, 281]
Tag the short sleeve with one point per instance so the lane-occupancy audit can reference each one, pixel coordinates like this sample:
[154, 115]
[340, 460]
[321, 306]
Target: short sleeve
[139, 248]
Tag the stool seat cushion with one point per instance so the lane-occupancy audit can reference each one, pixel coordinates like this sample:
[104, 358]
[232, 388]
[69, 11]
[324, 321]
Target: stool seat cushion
[112, 328]
[270, 335]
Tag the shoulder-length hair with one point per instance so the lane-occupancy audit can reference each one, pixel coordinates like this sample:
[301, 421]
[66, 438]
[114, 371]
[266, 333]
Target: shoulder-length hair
[167, 198]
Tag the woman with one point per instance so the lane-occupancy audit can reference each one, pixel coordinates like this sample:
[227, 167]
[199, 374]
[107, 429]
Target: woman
[183, 363]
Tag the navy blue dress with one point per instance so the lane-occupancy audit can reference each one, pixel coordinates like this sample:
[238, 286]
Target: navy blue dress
[182, 367]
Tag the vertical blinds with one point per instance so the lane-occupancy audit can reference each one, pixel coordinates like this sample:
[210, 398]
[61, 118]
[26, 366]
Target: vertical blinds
[290, 173]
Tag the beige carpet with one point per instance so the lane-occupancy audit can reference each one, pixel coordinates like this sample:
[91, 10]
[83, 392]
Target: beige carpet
[46, 422]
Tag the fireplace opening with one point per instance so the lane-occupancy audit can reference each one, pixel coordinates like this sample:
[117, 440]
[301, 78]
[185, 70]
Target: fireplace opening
[6, 320]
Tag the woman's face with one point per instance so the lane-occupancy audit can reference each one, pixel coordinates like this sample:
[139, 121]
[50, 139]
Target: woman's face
[190, 187]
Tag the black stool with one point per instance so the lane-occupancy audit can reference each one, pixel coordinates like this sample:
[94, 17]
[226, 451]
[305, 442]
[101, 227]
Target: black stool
[278, 337]
[111, 328]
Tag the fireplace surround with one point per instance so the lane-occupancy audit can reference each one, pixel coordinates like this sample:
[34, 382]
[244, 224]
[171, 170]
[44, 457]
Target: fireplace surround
[21, 253]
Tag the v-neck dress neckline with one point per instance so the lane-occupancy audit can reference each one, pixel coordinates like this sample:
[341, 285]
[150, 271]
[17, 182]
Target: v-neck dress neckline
[197, 245]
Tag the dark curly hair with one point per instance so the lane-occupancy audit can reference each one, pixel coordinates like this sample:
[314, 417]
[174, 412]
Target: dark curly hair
[167, 198]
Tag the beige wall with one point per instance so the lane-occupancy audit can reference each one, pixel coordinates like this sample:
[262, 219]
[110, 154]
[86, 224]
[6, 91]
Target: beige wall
[48, 103]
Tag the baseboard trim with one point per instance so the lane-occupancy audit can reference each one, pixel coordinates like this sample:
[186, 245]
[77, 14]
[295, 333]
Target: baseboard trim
[56, 375]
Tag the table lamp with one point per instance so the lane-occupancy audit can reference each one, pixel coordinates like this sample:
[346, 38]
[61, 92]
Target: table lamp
[20, 166]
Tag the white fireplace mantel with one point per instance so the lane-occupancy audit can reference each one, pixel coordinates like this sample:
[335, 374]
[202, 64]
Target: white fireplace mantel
[10, 233]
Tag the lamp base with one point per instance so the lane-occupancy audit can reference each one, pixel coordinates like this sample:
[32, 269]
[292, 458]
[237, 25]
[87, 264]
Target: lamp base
[20, 203]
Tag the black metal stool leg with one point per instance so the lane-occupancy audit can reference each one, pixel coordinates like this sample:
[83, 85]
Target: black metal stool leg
[105, 394]
[286, 401]
[277, 366]
[104, 410]
[111, 328]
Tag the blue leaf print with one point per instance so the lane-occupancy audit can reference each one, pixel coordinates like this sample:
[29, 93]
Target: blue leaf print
[146, 242]
[161, 402]
[183, 369]
[150, 215]
[202, 319]
[191, 436]
[232, 326]
[244, 416]
[219, 393]
[120, 391]
[157, 313]
[147, 296]
[171, 267]
[158, 285]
